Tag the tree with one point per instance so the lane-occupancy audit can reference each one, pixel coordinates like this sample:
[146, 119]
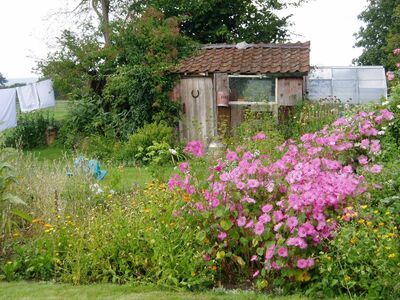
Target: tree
[3, 80]
[380, 34]
[222, 21]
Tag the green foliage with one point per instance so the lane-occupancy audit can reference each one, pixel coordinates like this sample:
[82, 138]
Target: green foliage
[363, 259]
[220, 21]
[380, 34]
[136, 148]
[3, 80]
[31, 130]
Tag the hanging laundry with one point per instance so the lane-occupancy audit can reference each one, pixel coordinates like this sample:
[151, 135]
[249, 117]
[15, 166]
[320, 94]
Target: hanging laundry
[46, 93]
[28, 97]
[8, 109]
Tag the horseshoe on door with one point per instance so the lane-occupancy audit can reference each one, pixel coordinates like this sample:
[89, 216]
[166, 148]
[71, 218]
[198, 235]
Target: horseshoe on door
[197, 95]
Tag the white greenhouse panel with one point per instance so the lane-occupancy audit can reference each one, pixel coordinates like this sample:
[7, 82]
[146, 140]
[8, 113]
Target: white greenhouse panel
[320, 73]
[342, 73]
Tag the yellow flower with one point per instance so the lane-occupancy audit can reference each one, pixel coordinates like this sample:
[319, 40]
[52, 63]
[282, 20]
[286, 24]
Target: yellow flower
[48, 226]
[349, 208]
[381, 224]
[369, 223]
[361, 221]
[347, 278]
[376, 211]
[392, 255]
[17, 234]
[353, 241]
[364, 206]
[328, 221]
[36, 221]
[146, 210]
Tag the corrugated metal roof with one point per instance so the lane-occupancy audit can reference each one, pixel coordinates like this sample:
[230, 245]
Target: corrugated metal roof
[249, 59]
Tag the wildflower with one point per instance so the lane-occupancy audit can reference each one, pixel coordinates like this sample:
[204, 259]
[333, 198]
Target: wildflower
[396, 51]
[199, 206]
[172, 151]
[241, 221]
[392, 255]
[376, 169]
[266, 208]
[390, 75]
[256, 273]
[259, 228]
[259, 136]
[195, 147]
[292, 222]
[253, 258]
[183, 167]
[282, 252]
[363, 160]
[302, 263]
[222, 235]
[232, 156]
[264, 218]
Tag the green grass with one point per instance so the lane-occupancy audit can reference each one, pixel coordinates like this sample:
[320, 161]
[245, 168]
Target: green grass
[49, 153]
[60, 111]
[34, 290]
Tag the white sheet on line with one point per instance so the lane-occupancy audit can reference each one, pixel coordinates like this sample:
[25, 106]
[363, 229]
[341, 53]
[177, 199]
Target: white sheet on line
[8, 109]
[28, 97]
[46, 93]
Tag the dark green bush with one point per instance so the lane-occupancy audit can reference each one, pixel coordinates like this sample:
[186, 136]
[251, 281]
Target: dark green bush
[30, 131]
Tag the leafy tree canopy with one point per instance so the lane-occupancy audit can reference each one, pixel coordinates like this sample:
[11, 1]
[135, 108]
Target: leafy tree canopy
[381, 33]
[3, 80]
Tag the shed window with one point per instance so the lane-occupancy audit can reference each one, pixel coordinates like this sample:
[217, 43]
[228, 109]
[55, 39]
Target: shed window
[252, 89]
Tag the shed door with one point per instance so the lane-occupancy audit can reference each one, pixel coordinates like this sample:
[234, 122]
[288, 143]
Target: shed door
[198, 120]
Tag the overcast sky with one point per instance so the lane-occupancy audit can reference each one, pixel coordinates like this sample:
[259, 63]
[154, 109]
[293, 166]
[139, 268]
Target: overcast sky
[29, 27]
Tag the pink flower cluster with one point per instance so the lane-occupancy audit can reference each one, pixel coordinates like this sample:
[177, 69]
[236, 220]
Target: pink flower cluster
[195, 147]
[290, 205]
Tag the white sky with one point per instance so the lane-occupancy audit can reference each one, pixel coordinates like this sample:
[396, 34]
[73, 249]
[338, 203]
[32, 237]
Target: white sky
[27, 29]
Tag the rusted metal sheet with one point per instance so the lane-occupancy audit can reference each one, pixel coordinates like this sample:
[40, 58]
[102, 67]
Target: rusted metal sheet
[290, 91]
[198, 120]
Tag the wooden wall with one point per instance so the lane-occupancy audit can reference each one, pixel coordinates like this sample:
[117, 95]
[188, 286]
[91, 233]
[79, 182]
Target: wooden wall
[290, 91]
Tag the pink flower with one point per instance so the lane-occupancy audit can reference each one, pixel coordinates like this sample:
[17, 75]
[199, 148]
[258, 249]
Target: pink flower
[259, 136]
[206, 257]
[195, 147]
[270, 252]
[302, 263]
[256, 273]
[376, 169]
[259, 228]
[292, 222]
[253, 183]
[250, 224]
[222, 235]
[241, 221]
[275, 266]
[398, 65]
[387, 114]
[199, 206]
[375, 146]
[364, 144]
[396, 51]
[183, 167]
[264, 218]
[278, 216]
[253, 258]
[282, 252]
[363, 160]
[390, 75]
[266, 208]
[231, 156]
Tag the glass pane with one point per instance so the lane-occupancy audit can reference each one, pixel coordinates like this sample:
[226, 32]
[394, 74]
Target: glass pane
[252, 89]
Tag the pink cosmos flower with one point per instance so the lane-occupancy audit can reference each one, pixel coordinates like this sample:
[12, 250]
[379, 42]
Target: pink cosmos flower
[375, 146]
[231, 156]
[247, 155]
[282, 252]
[250, 224]
[259, 136]
[183, 167]
[241, 221]
[376, 169]
[222, 235]
[277, 226]
[266, 208]
[259, 228]
[195, 147]
[364, 144]
[278, 216]
[270, 252]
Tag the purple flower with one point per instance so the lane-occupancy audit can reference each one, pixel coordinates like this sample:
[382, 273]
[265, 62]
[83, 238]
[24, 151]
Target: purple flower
[264, 218]
[363, 160]
[302, 263]
[376, 169]
[278, 216]
[253, 183]
[256, 274]
[292, 222]
[253, 258]
[259, 136]
[199, 206]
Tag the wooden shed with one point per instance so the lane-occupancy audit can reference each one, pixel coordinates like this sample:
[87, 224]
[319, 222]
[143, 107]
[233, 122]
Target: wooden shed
[219, 83]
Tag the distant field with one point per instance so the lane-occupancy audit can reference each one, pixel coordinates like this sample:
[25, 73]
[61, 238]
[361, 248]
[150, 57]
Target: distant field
[60, 110]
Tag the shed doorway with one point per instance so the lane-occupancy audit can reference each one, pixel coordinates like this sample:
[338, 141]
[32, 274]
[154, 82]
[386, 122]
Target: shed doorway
[198, 108]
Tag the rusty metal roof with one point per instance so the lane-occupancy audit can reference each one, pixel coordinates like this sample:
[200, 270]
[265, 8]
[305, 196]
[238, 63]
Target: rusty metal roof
[249, 59]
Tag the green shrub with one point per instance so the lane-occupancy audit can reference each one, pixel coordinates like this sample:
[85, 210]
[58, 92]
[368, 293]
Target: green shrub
[135, 149]
[30, 131]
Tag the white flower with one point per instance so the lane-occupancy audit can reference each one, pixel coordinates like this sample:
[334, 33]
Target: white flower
[382, 132]
[257, 153]
[385, 103]
[172, 151]
[398, 106]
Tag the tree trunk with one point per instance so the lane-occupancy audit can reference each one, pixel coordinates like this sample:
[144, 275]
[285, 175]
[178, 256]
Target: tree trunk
[103, 14]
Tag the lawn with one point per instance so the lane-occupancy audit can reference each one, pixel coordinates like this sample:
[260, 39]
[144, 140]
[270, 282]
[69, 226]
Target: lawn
[45, 290]
[60, 111]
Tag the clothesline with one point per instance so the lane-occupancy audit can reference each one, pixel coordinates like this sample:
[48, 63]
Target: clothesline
[31, 97]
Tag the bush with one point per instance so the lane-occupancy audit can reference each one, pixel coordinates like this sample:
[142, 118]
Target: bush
[30, 131]
[266, 218]
[136, 148]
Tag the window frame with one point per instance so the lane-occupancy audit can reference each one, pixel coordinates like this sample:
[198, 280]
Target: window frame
[254, 103]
